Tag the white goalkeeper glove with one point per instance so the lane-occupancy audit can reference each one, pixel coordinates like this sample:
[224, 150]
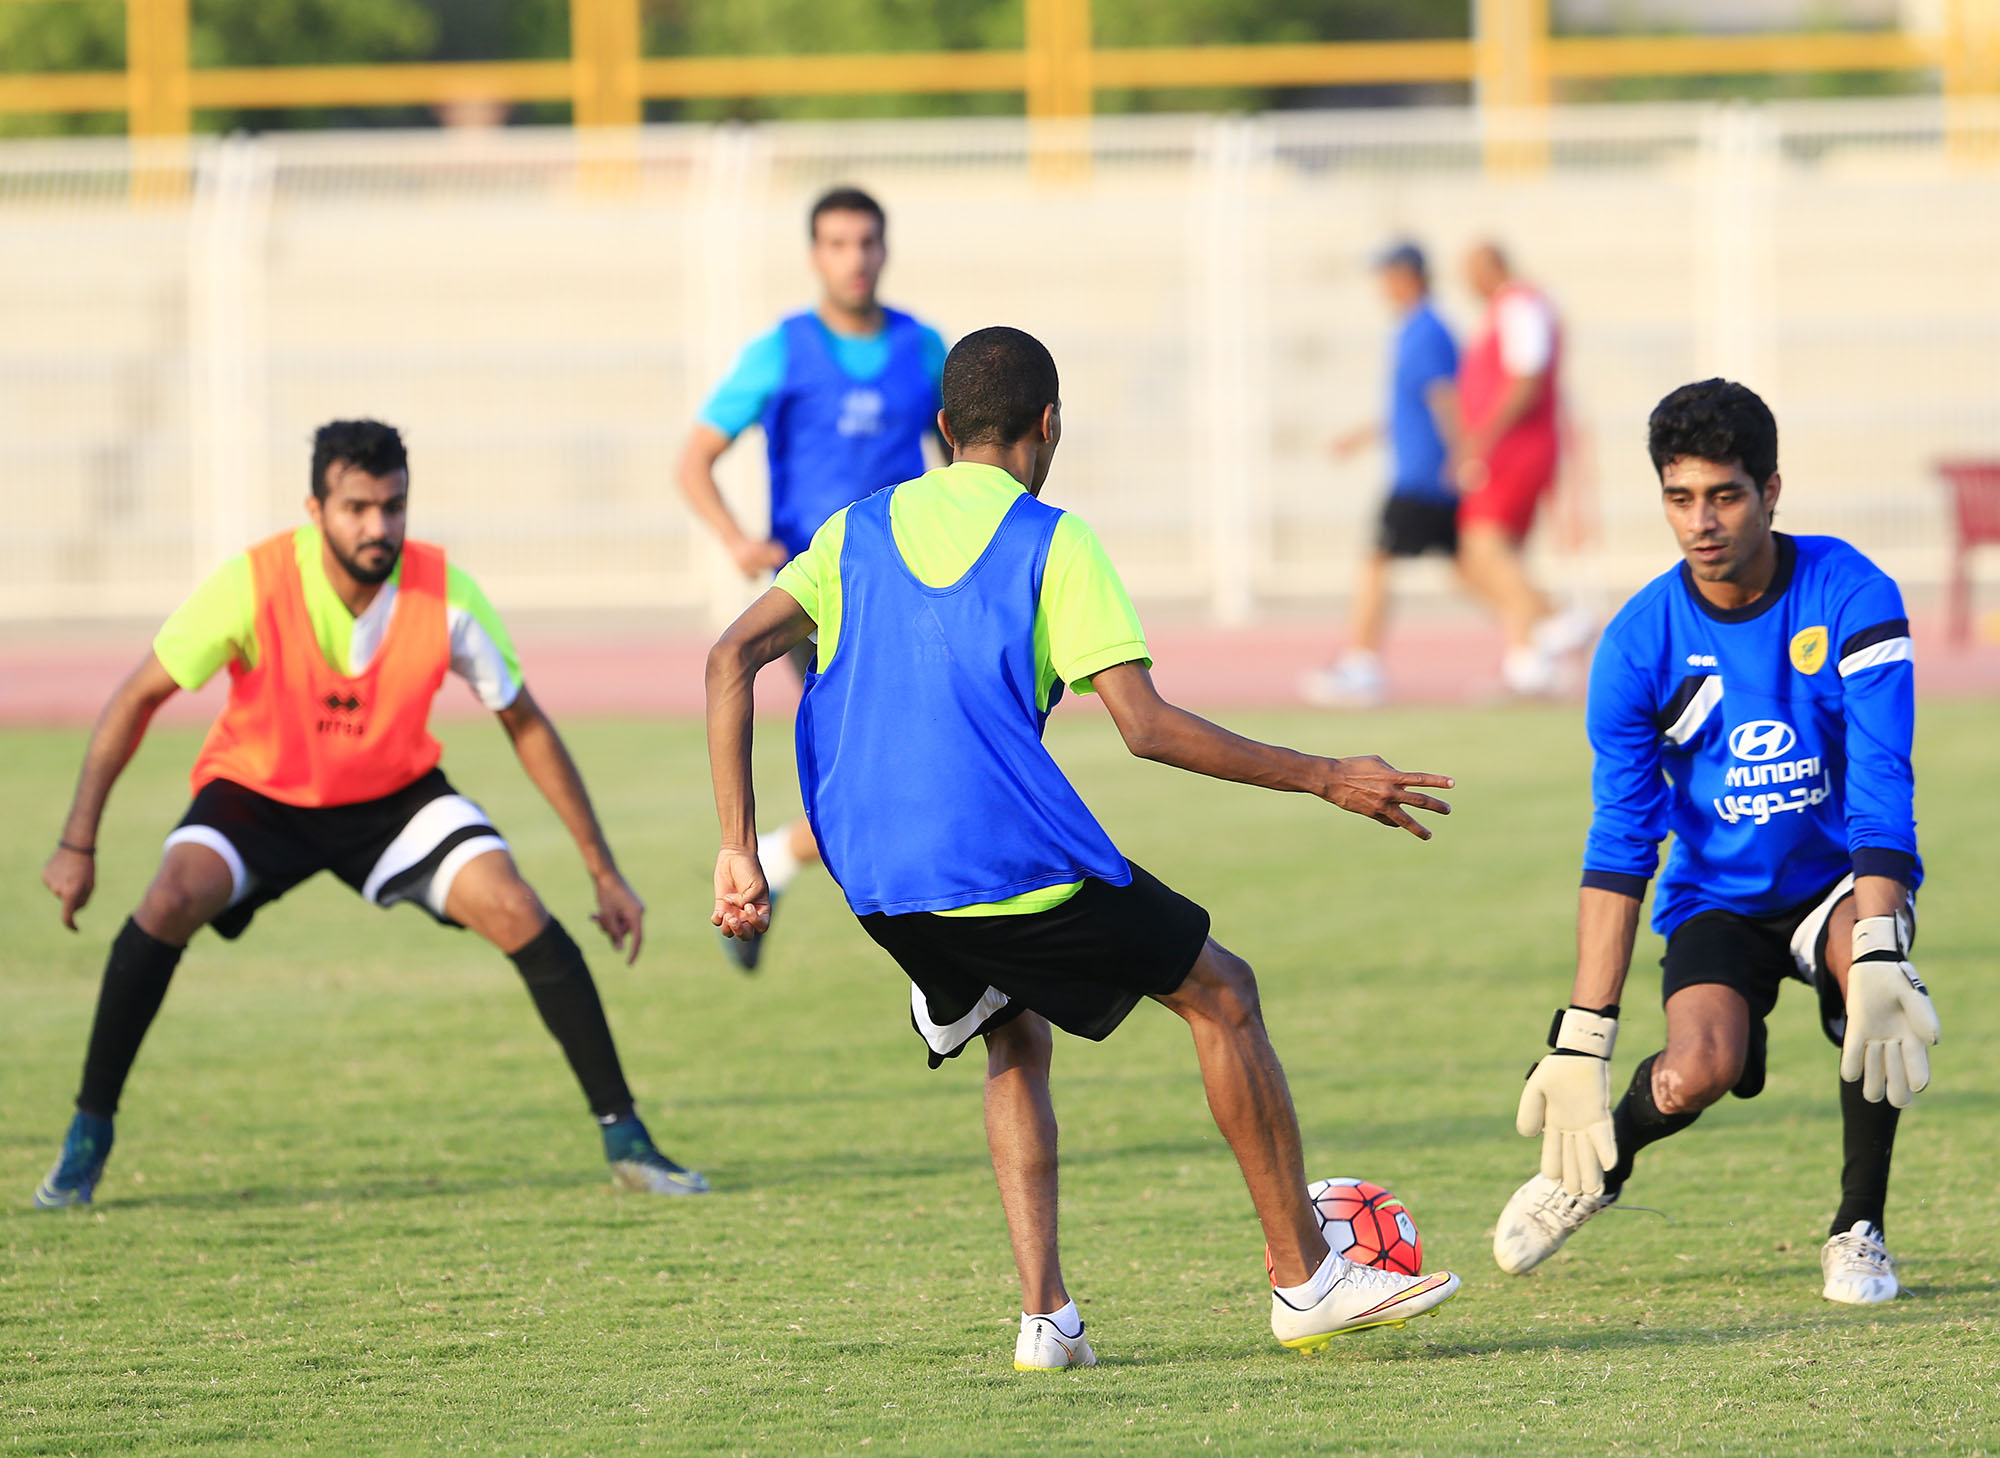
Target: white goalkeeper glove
[1890, 1018]
[1568, 1101]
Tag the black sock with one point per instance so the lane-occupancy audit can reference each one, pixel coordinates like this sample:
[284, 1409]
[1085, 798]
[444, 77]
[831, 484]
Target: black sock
[1637, 1122]
[559, 980]
[136, 975]
[1867, 1137]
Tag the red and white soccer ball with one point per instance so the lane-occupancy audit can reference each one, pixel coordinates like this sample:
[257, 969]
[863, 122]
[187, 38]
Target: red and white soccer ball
[1364, 1223]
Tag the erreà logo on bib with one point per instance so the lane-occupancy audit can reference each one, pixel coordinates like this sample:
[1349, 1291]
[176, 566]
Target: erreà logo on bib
[1809, 649]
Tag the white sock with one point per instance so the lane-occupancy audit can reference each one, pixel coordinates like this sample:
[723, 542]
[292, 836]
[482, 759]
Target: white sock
[774, 853]
[1315, 1286]
[1063, 1320]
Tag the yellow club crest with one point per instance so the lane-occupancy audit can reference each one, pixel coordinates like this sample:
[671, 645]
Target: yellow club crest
[1809, 650]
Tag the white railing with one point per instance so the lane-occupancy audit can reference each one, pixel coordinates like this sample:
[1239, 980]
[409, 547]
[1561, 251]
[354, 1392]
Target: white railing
[542, 313]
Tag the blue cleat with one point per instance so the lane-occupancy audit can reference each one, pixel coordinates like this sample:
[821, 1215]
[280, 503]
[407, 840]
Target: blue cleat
[76, 1173]
[639, 1167]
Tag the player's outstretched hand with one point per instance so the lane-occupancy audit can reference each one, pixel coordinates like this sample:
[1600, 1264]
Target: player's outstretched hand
[620, 913]
[1369, 785]
[71, 876]
[1890, 1018]
[1568, 1102]
[742, 896]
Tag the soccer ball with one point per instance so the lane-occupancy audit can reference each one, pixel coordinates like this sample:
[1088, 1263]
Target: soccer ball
[1364, 1223]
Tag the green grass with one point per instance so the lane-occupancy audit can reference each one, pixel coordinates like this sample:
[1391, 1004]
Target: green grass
[356, 1205]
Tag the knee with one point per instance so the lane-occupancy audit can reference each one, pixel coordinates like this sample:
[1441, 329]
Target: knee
[511, 915]
[1230, 990]
[1026, 1043]
[1689, 1081]
[174, 909]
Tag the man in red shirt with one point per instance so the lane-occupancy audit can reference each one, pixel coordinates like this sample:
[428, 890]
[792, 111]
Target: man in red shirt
[1508, 451]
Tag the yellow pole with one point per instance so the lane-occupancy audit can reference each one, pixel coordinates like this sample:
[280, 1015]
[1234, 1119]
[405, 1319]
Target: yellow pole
[156, 68]
[1971, 67]
[1972, 48]
[604, 62]
[1058, 37]
[1511, 76]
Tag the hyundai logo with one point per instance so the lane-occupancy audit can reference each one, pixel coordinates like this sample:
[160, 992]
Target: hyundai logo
[1761, 739]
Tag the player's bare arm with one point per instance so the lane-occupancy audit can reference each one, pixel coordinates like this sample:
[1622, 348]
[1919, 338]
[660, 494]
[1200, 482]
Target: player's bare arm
[546, 759]
[1607, 925]
[696, 473]
[1474, 446]
[71, 872]
[769, 629]
[1442, 398]
[1367, 785]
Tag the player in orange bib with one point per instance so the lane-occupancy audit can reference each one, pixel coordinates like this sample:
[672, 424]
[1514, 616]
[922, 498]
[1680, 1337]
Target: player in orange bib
[337, 637]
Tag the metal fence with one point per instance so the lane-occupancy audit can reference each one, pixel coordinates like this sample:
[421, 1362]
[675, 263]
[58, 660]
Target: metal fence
[542, 313]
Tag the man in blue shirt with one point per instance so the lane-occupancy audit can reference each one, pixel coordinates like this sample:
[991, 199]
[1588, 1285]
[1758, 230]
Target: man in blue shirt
[1757, 704]
[845, 393]
[950, 612]
[1420, 513]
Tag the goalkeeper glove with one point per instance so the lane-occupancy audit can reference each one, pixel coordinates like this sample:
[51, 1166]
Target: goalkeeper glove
[1568, 1100]
[1890, 1018]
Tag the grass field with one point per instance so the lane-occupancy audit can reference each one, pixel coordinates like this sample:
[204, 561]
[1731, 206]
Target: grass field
[357, 1206]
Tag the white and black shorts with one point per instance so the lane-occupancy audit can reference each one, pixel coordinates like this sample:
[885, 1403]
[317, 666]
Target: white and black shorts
[409, 846]
[1757, 955]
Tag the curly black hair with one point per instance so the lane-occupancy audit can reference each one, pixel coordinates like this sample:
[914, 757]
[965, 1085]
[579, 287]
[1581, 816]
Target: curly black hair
[366, 445]
[997, 382]
[1715, 420]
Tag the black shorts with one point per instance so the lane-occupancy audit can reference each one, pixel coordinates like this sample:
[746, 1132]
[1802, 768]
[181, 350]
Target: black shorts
[1413, 525]
[1755, 955]
[408, 846]
[1083, 965]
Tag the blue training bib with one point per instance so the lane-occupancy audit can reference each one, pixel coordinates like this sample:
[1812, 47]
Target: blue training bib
[920, 744]
[832, 439]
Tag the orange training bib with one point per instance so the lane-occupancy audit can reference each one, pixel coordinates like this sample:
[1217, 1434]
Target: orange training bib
[301, 733]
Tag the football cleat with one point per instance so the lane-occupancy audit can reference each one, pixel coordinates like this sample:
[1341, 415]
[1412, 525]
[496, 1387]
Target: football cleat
[747, 954]
[1538, 1219]
[1042, 1347]
[1361, 1297]
[74, 1177]
[636, 1165]
[1858, 1268]
[1568, 631]
[1356, 682]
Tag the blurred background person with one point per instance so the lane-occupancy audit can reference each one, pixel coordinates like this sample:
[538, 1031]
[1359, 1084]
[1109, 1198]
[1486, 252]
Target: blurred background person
[846, 392]
[1509, 405]
[1420, 513]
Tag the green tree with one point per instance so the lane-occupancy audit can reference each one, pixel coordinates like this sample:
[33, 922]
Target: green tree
[89, 35]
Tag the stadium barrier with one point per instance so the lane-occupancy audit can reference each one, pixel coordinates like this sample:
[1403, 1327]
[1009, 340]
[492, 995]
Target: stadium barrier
[542, 311]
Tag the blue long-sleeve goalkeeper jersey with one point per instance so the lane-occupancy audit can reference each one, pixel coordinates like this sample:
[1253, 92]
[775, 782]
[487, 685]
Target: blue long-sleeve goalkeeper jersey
[1772, 741]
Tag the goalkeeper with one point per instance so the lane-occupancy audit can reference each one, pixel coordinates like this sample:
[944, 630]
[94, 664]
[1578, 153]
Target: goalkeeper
[1756, 702]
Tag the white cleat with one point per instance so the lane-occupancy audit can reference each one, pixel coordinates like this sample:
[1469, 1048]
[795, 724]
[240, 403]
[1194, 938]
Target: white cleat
[1859, 1269]
[1537, 1220]
[1362, 1296]
[1041, 1347]
[1353, 683]
[1565, 632]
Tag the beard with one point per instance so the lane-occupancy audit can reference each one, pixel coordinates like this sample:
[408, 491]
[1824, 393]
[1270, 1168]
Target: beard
[370, 576]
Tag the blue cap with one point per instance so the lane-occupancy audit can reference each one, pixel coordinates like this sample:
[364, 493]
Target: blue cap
[1404, 254]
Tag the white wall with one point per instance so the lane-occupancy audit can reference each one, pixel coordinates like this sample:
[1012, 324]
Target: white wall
[542, 314]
